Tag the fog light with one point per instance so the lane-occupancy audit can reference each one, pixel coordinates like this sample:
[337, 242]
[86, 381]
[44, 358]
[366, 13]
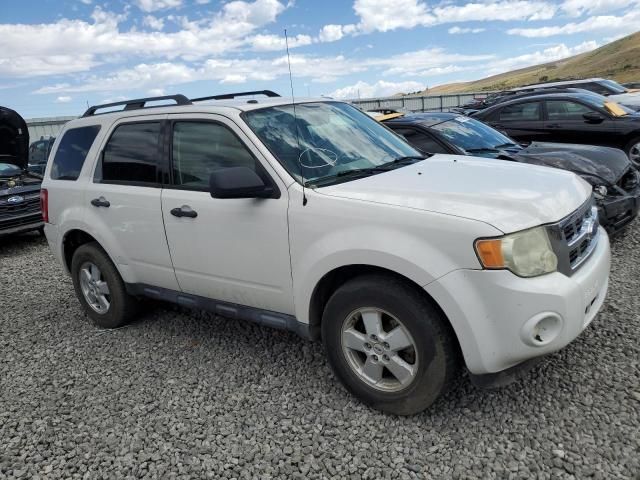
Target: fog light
[541, 329]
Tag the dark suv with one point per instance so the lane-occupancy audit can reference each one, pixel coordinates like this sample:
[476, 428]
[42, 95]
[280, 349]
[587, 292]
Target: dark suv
[19, 188]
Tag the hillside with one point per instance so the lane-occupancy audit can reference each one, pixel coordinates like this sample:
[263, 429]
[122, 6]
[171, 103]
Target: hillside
[619, 60]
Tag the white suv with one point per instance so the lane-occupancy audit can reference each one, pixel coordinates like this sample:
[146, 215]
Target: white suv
[315, 218]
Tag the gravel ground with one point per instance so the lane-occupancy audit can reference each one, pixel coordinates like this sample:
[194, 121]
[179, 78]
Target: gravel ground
[182, 394]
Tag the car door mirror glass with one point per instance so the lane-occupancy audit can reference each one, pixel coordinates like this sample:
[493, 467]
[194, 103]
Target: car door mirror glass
[238, 182]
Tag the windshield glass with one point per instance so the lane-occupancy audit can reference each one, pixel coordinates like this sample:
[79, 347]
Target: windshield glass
[600, 101]
[9, 170]
[332, 139]
[471, 134]
[614, 86]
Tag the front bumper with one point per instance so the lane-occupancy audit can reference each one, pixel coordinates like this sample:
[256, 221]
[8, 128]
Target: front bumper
[502, 320]
[21, 228]
[615, 213]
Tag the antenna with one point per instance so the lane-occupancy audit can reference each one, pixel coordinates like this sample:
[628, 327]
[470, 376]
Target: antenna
[295, 119]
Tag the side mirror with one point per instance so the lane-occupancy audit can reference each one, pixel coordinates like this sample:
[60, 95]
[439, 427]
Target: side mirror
[593, 117]
[238, 182]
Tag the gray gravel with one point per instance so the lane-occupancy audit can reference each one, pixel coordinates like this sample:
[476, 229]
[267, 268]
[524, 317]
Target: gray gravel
[180, 394]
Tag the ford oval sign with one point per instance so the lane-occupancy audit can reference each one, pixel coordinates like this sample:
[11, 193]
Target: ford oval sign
[15, 199]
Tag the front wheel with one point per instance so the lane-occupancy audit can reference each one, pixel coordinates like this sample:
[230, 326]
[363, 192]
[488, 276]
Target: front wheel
[388, 344]
[632, 150]
[100, 288]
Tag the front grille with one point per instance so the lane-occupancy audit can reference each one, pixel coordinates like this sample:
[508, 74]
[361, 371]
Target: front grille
[29, 204]
[575, 237]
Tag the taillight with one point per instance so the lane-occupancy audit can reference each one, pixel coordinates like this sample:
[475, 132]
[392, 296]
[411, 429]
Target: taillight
[44, 204]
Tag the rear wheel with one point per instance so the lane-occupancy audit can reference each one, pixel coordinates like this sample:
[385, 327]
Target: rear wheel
[388, 345]
[100, 288]
[633, 151]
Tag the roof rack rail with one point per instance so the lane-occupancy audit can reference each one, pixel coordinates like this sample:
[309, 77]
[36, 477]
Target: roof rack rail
[137, 103]
[231, 96]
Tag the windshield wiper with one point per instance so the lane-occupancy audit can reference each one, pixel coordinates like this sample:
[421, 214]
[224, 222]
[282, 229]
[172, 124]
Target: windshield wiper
[481, 150]
[506, 145]
[360, 172]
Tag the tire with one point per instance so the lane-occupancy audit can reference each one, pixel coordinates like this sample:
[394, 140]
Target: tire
[433, 346]
[121, 306]
[632, 149]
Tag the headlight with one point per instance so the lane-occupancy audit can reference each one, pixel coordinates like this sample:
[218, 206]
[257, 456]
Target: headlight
[527, 253]
[600, 191]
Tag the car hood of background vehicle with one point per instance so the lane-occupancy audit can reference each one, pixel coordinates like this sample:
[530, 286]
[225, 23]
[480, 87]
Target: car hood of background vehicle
[609, 164]
[632, 98]
[14, 129]
[510, 196]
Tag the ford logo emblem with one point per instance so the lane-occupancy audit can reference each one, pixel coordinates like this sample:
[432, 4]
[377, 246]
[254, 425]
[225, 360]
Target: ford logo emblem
[15, 199]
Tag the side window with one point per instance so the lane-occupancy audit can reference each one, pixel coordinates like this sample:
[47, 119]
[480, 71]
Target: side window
[520, 112]
[131, 155]
[72, 152]
[198, 148]
[566, 110]
[596, 87]
[422, 141]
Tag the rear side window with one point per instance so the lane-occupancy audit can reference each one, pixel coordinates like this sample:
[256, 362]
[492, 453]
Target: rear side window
[520, 112]
[132, 155]
[72, 152]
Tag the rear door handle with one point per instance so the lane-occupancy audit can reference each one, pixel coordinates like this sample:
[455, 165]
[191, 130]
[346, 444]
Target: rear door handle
[184, 211]
[100, 202]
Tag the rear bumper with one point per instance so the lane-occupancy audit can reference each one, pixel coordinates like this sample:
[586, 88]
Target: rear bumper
[502, 320]
[617, 212]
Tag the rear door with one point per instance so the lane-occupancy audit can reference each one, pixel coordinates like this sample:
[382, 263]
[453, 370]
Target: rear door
[522, 121]
[233, 250]
[565, 122]
[123, 202]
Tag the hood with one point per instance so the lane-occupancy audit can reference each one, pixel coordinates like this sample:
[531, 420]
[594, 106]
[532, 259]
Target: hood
[631, 99]
[609, 164]
[507, 195]
[14, 138]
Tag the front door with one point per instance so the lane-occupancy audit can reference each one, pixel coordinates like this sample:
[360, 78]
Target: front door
[234, 250]
[566, 123]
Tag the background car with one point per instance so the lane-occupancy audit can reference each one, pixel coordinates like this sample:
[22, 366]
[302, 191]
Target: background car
[39, 153]
[19, 189]
[603, 86]
[616, 182]
[585, 118]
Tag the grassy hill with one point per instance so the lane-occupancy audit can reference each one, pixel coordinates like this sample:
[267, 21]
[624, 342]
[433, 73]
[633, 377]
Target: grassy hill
[619, 60]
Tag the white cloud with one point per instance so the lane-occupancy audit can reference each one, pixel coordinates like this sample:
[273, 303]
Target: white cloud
[556, 52]
[153, 5]
[152, 22]
[627, 23]
[156, 92]
[379, 89]
[268, 42]
[459, 30]
[331, 33]
[63, 99]
[28, 66]
[578, 8]
[383, 15]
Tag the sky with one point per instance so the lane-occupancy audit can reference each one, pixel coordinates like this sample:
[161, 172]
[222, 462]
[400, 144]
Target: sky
[58, 56]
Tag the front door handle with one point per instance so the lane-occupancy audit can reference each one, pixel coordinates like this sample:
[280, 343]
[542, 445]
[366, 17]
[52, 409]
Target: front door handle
[100, 202]
[184, 211]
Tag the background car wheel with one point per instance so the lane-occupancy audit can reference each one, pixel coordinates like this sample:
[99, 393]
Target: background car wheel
[100, 288]
[633, 151]
[388, 344]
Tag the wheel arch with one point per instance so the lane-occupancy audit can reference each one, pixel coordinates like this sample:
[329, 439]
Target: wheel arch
[337, 277]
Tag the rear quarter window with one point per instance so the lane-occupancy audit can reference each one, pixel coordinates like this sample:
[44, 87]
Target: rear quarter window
[72, 152]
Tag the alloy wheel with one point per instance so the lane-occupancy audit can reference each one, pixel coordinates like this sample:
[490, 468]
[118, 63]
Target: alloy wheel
[94, 288]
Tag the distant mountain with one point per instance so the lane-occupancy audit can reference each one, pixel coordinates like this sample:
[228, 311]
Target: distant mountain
[618, 60]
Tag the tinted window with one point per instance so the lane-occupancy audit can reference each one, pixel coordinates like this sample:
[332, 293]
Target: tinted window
[594, 87]
[72, 152]
[132, 154]
[470, 134]
[521, 112]
[422, 141]
[202, 147]
[566, 110]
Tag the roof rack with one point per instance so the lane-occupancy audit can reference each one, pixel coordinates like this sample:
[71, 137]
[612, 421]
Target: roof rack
[138, 103]
[231, 96]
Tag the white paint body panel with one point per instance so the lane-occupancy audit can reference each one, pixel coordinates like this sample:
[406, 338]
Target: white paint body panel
[419, 221]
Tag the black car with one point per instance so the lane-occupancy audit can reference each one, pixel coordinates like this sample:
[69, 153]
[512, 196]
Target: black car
[39, 153]
[586, 118]
[19, 188]
[615, 181]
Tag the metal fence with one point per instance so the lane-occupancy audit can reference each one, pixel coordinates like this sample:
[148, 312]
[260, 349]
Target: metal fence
[45, 127]
[424, 103]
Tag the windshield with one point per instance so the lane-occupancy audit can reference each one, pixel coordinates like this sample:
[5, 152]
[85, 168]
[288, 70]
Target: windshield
[333, 139]
[9, 170]
[471, 134]
[614, 86]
